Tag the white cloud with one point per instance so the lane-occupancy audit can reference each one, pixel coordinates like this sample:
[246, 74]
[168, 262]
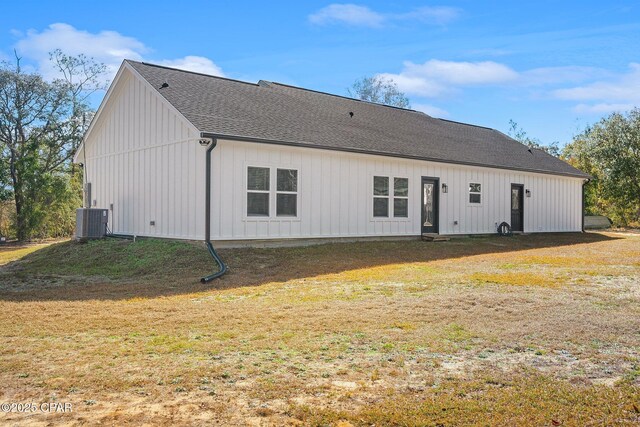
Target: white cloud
[356, 15]
[350, 14]
[623, 88]
[107, 47]
[558, 75]
[461, 73]
[416, 85]
[430, 110]
[199, 64]
[436, 78]
[602, 108]
[607, 91]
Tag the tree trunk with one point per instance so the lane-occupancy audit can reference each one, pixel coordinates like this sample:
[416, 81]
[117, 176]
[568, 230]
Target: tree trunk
[18, 197]
[21, 221]
[21, 226]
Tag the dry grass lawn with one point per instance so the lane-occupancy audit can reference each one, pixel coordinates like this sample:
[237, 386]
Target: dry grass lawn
[532, 330]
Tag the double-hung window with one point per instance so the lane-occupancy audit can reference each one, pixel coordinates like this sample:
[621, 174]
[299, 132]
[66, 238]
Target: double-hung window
[400, 197]
[261, 193]
[475, 193]
[287, 192]
[384, 195]
[258, 191]
[381, 196]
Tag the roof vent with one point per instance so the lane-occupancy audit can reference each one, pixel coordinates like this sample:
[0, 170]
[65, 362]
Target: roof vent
[351, 113]
[165, 84]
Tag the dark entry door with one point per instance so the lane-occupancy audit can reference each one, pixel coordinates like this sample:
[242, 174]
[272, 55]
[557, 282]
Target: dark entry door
[430, 205]
[517, 207]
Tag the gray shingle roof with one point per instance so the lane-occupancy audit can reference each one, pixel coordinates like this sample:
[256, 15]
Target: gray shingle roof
[280, 113]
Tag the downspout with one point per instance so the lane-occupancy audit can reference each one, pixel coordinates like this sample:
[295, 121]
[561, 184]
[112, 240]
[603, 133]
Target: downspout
[222, 267]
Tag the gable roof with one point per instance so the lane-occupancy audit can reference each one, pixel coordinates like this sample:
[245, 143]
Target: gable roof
[279, 113]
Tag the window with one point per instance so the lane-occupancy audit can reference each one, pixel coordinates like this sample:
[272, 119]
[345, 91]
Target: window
[382, 197]
[475, 193]
[515, 198]
[257, 191]
[400, 197]
[286, 195]
[260, 192]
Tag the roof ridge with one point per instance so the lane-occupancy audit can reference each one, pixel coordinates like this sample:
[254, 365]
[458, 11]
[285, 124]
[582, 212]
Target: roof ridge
[276, 118]
[149, 64]
[268, 82]
[345, 97]
[515, 140]
[466, 124]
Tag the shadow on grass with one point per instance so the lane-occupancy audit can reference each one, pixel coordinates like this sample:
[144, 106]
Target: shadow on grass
[118, 269]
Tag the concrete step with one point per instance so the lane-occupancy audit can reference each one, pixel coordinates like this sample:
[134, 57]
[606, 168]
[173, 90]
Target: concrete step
[432, 237]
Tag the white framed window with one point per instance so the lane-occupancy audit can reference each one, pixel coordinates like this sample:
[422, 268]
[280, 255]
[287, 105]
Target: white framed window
[262, 194]
[287, 192]
[390, 197]
[400, 197]
[381, 196]
[475, 193]
[258, 191]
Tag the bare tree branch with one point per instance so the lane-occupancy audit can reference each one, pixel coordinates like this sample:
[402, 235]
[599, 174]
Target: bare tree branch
[379, 90]
[41, 126]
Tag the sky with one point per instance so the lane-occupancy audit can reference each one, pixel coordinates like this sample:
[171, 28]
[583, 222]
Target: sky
[553, 67]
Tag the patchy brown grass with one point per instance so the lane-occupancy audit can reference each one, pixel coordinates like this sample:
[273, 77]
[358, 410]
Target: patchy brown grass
[10, 253]
[533, 330]
[522, 278]
[489, 400]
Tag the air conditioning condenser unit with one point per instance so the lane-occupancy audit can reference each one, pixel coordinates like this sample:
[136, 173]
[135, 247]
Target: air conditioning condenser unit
[91, 223]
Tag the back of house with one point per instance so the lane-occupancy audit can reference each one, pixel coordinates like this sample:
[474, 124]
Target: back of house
[286, 163]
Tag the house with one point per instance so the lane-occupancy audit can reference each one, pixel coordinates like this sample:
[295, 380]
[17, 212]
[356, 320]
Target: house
[183, 155]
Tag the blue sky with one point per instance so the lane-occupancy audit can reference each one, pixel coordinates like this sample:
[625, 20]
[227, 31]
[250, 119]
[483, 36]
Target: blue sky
[551, 66]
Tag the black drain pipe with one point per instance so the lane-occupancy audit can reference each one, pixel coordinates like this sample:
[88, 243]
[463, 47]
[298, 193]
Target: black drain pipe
[222, 267]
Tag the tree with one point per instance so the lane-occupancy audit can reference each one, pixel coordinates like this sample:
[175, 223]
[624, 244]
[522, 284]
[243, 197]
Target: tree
[610, 152]
[521, 136]
[379, 90]
[41, 126]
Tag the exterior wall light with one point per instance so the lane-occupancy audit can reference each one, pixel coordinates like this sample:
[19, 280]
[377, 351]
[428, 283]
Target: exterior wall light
[527, 192]
[445, 188]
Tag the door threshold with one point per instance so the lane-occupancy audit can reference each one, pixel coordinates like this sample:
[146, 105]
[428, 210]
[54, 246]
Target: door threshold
[433, 237]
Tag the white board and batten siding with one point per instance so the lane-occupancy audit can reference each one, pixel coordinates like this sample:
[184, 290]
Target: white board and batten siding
[143, 160]
[145, 165]
[335, 195]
